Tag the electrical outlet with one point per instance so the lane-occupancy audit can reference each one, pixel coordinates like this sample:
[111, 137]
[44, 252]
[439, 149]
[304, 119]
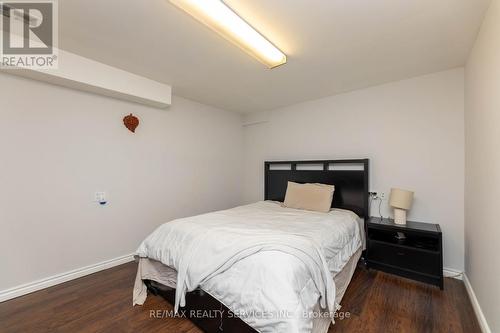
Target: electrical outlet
[377, 195]
[100, 197]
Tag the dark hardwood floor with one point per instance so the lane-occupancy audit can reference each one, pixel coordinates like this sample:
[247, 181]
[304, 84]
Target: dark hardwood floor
[101, 302]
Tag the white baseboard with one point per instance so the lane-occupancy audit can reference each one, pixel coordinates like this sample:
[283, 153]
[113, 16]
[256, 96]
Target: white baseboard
[485, 328]
[453, 273]
[63, 277]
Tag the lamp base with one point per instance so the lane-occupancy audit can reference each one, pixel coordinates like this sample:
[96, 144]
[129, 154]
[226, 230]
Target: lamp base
[399, 216]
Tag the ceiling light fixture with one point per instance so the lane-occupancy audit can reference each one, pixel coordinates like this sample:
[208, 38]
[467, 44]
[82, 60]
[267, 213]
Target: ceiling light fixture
[219, 17]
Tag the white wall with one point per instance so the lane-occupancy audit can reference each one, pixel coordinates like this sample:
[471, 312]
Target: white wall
[58, 146]
[482, 170]
[412, 131]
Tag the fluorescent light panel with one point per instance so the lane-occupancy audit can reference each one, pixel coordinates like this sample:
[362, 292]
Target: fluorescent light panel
[219, 17]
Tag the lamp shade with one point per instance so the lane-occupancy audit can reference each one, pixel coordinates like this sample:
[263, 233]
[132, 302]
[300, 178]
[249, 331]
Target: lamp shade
[401, 199]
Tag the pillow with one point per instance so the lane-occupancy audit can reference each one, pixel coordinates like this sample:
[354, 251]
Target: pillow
[316, 197]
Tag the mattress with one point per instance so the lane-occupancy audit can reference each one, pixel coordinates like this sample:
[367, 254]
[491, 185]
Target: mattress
[258, 258]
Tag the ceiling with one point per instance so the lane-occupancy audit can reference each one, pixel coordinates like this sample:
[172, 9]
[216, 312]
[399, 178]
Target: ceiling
[333, 46]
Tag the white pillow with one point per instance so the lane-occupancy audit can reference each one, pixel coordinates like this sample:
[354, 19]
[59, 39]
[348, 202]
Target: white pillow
[316, 197]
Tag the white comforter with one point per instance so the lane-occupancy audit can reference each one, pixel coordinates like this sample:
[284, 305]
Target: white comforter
[269, 264]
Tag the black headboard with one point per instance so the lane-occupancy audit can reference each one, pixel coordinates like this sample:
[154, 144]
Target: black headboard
[350, 178]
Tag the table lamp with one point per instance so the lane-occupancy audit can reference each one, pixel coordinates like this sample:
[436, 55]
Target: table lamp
[401, 202]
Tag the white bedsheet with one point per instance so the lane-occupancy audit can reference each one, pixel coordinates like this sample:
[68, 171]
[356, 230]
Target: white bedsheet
[265, 262]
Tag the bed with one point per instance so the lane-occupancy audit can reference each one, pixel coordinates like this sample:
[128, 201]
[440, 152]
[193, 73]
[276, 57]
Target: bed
[262, 267]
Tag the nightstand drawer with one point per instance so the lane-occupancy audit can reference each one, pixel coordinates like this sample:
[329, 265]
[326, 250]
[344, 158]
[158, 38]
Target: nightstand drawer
[416, 260]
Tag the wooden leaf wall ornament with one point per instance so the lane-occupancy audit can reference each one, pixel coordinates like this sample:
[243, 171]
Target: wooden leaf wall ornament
[131, 122]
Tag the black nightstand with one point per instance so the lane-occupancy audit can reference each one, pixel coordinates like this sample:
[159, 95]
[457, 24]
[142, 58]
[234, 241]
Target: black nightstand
[419, 256]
